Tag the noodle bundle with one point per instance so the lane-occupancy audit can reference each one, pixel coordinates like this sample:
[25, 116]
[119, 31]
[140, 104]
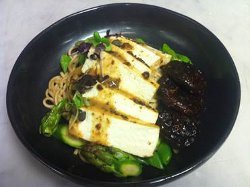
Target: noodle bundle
[59, 86]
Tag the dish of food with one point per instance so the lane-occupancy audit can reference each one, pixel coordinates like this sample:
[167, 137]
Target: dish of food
[192, 121]
[109, 94]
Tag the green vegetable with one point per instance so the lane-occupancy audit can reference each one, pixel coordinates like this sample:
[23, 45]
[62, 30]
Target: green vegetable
[183, 58]
[105, 41]
[111, 160]
[175, 56]
[97, 37]
[168, 50]
[155, 161]
[161, 156]
[64, 62]
[62, 133]
[82, 58]
[129, 168]
[78, 100]
[49, 122]
[165, 153]
[139, 41]
[92, 41]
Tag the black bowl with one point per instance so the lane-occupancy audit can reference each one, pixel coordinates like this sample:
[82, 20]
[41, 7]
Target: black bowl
[39, 61]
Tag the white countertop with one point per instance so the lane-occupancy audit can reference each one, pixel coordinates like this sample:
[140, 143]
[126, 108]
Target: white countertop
[229, 20]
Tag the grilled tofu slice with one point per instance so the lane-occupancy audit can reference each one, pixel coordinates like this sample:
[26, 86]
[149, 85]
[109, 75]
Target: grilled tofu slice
[130, 81]
[141, 52]
[111, 130]
[124, 57]
[117, 101]
[137, 65]
[156, 70]
[125, 78]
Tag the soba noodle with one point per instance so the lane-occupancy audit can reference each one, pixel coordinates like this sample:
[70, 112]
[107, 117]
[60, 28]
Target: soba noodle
[59, 86]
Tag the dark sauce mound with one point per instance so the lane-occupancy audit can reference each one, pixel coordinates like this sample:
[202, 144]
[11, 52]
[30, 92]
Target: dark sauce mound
[181, 95]
[180, 130]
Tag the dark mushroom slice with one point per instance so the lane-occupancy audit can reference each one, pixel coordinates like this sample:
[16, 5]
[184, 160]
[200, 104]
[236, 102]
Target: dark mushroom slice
[85, 83]
[186, 76]
[178, 99]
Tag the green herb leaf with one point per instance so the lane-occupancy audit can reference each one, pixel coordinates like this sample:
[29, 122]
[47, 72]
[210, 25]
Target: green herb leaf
[82, 58]
[168, 50]
[92, 41]
[139, 41]
[183, 58]
[105, 40]
[64, 62]
[78, 100]
[97, 37]
[175, 56]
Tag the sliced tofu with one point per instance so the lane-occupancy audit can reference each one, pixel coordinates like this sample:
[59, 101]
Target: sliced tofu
[122, 115]
[128, 80]
[89, 64]
[165, 58]
[102, 128]
[137, 65]
[139, 51]
[114, 100]
[129, 60]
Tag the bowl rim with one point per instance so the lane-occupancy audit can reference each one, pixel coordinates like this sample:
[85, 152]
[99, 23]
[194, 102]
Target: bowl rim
[153, 181]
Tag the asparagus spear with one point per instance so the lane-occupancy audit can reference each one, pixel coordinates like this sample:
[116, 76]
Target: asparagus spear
[50, 121]
[111, 160]
[62, 134]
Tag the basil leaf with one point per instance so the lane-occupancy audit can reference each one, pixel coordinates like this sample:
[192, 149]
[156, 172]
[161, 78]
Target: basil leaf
[92, 41]
[168, 50]
[78, 100]
[139, 41]
[183, 58]
[105, 40]
[175, 56]
[97, 37]
[64, 62]
[82, 58]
